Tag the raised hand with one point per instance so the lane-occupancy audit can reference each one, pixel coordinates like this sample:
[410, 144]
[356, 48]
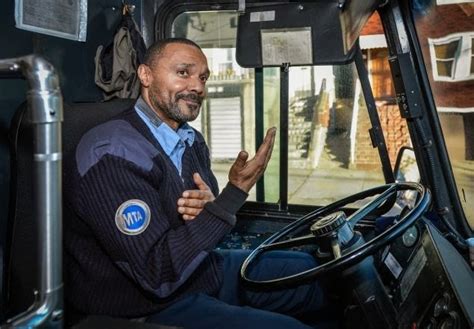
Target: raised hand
[192, 201]
[244, 174]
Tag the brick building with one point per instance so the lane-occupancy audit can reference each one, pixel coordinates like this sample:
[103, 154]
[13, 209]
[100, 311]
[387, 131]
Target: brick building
[446, 34]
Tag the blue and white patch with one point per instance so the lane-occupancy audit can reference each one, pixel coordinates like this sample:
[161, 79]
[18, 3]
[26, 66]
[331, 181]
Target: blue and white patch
[132, 217]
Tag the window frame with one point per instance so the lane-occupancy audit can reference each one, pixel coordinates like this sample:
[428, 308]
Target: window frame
[462, 60]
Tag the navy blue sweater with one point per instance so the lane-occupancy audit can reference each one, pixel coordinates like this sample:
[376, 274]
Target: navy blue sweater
[121, 272]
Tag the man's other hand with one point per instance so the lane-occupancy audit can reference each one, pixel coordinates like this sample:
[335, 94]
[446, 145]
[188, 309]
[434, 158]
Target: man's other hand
[244, 174]
[192, 201]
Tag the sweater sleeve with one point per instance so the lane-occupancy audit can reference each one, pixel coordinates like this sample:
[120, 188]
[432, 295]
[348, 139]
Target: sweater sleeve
[122, 205]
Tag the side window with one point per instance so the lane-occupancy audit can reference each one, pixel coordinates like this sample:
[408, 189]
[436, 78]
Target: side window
[445, 31]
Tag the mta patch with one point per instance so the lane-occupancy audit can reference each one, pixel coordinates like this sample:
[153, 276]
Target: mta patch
[132, 217]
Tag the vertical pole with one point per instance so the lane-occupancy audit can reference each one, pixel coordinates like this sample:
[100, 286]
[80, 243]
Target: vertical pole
[259, 127]
[284, 79]
[45, 105]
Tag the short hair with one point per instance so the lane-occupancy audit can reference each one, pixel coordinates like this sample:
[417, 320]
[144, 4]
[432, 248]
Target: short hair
[156, 49]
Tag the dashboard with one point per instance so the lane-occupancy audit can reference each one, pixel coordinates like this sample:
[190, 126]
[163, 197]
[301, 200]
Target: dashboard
[429, 283]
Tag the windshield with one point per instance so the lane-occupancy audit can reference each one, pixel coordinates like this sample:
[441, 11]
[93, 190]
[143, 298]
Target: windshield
[330, 152]
[445, 30]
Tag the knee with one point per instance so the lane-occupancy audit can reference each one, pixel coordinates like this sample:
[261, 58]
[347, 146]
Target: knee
[281, 263]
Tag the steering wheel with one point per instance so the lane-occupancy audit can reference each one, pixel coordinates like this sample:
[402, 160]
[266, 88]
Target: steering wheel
[331, 223]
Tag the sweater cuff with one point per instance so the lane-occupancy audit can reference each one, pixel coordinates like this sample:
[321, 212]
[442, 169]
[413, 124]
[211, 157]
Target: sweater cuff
[227, 203]
[231, 198]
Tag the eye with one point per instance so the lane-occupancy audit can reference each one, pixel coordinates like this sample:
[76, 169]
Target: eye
[182, 73]
[204, 78]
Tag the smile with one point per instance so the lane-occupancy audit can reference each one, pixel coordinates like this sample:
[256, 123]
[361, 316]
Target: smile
[191, 102]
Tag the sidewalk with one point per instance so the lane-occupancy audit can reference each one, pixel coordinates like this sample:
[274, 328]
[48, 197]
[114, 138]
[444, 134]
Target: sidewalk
[327, 183]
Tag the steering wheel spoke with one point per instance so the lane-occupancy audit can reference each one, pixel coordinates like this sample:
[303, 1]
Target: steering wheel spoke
[294, 242]
[371, 206]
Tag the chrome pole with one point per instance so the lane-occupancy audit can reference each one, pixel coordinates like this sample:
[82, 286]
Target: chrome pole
[45, 111]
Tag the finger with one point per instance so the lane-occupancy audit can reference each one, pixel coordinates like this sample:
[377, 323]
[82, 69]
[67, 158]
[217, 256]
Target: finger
[241, 160]
[267, 146]
[193, 203]
[272, 143]
[197, 194]
[200, 182]
[188, 217]
[189, 211]
[271, 132]
[268, 142]
[265, 150]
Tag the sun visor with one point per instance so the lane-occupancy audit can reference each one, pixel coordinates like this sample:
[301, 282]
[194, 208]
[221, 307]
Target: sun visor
[304, 33]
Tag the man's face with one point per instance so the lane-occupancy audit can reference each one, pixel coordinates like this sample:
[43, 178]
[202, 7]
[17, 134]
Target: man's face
[177, 86]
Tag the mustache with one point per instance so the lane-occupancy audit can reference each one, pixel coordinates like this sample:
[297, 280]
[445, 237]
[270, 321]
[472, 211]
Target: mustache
[190, 97]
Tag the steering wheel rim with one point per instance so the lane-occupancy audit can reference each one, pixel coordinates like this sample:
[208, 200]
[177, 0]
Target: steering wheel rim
[351, 258]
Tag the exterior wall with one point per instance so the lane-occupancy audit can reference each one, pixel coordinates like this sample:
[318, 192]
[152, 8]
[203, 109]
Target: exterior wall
[373, 25]
[395, 128]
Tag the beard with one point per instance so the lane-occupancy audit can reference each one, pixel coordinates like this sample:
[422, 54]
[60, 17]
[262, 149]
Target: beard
[172, 109]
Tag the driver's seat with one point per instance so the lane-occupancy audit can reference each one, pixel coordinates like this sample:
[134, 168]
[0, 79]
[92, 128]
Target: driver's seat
[22, 268]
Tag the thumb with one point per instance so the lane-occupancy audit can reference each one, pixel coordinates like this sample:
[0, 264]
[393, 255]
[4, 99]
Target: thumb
[200, 182]
[241, 159]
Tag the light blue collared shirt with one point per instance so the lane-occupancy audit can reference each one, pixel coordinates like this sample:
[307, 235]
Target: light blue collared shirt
[172, 142]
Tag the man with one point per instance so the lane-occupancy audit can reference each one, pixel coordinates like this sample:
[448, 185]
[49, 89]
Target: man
[147, 213]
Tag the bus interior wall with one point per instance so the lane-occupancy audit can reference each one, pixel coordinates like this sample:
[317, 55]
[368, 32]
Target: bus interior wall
[74, 62]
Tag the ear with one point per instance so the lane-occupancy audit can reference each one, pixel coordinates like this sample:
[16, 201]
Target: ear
[144, 74]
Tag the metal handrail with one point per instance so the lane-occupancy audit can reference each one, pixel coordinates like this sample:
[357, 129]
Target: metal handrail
[45, 110]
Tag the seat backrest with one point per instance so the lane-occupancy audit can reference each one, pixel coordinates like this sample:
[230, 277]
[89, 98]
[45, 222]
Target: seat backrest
[80, 117]
[23, 269]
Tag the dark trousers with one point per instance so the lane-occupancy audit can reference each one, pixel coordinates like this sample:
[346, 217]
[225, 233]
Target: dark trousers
[237, 308]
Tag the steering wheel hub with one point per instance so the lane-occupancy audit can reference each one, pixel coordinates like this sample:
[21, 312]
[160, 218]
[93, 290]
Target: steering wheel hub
[328, 224]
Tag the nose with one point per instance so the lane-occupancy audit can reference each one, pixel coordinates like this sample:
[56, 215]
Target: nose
[197, 85]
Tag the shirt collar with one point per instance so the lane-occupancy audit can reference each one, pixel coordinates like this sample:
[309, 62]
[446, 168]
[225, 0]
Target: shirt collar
[164, 134]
